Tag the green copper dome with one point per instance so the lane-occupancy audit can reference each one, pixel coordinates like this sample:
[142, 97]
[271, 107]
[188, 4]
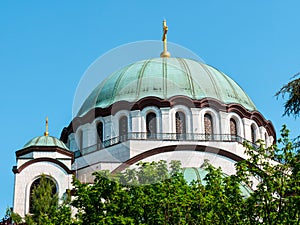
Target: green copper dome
[165, 78]
[192, 174]
[45, 141]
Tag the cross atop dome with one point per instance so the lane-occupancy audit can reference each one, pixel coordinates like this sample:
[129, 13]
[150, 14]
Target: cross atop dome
[46, 133]
[165, 53]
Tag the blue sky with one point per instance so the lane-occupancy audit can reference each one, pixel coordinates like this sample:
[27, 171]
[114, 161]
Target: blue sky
[45, 48]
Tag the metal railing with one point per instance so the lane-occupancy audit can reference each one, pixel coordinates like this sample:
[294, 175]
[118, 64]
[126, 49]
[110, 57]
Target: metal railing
[143, 136]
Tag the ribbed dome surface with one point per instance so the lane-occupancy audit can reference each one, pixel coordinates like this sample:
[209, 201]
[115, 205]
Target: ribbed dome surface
[165, 78]
[45, 141]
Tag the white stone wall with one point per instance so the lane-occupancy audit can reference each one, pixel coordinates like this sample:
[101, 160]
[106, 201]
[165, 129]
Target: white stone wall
[195, 159]
[28, 175]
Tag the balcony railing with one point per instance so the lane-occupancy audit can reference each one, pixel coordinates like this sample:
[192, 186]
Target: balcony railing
[160, 137]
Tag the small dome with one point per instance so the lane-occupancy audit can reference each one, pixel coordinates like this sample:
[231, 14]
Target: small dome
[165, 78]
[45, 141]
[193, 174]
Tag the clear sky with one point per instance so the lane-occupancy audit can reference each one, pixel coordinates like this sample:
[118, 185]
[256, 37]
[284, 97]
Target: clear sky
[46, 46]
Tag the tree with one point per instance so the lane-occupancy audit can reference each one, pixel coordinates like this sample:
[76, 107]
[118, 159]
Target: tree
[157, 193]
[45, 207]
[152, 194]
[292, 89]
[44, 201]
[276, 197]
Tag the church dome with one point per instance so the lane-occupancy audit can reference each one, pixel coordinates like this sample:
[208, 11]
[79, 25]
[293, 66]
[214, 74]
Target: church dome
[45, 141]
[165, 78]
[198, 174]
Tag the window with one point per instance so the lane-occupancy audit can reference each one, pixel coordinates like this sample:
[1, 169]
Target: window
[80, 137]
[100, 135]
[233, 129]
[180, 124]
[123, 128]
[208, 124]
[45, 182]
[266, 139]
[151, 125]
[253, 134]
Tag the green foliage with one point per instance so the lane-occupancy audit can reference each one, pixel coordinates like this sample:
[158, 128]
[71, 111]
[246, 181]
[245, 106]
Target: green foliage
[292, 89]
[276, 198]
[44, 202]
[157, 193]
[45, 208]
[11, 216]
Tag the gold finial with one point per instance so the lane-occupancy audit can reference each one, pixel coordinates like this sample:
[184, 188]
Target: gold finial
[165, 53]
[46, 133]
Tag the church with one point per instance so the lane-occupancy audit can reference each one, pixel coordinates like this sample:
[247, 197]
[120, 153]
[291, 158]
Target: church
[161, 108]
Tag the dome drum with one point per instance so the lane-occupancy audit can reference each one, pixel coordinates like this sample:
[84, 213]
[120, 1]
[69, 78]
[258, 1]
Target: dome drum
[159, 103]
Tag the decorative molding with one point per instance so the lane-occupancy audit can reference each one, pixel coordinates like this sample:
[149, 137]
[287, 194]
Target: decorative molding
[45, 159]
[45, 149]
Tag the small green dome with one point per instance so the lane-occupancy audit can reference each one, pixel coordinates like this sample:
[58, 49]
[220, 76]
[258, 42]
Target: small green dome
[193, 174]
[45, 141]
[165, 78]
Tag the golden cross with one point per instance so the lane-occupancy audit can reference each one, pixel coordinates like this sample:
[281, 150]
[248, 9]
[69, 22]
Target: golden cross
[165, 53]
[46, 132]
[165, 29]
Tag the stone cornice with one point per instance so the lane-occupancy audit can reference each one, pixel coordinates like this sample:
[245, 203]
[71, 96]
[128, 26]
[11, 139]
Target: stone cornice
[30, 149]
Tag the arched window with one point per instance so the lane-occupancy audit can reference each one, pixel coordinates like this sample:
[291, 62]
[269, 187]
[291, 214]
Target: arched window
[35, 195]
[123, 128]
[266, 139]
[80, 137]
[253, 134]
[151, 125]
[208, 124]
[180, 124]
[100, 135]
[233, 129]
